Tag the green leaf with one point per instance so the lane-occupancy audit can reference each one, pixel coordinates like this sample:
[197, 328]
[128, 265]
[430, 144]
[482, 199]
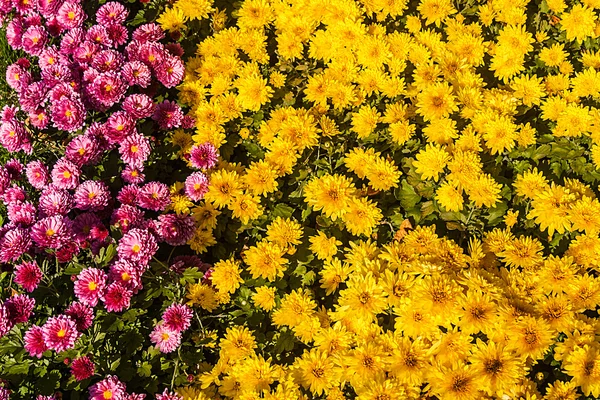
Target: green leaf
[282, 210]
[407, 195]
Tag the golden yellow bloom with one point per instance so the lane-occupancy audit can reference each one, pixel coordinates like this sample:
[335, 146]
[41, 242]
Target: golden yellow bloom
[436, 101]
[239, 342]
[579, 22]
[246, 207]
[264, 297]
[449, 197]
[324, 247]
[203, 296]
[226, 276]
[172, 20]
[334, 273]
[431, 162]
[265, 260]
[317, 371]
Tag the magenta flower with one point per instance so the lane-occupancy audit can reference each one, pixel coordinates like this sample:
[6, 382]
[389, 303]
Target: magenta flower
[108, 60]
[127, 217]
[33, 96]
[14, 33]
[151, 53]
[99, 35]
[165, 339]
[60, 333]
[118, 34]
[50, 56]
[125, 273]
[14, 243]
[111, 13]
[82, 150]
[14, 137]
[154, 196]
[168, 115]
[21, 213]
[119, 126]
[133, 175]
[70, 15]
[170, 71]
[110, 388]
[177, 317]
[37, 174]
[203, 156]
[51, 232]
[138, 105]
[135, 150]
[84, 53]
[138, 246]
[128, 194]
[175, 229]
[5, 322]
[71, 40]
[65, 174]
[148, 33]
[168, 395]
[34, 341]
[82, 368]
[19, 308]
[90, 285]
[28, 275]
[108, 88]
[196, 186]
[92, 196]
[83, 225]
[82, 315]
[137, 73]
[17, 77]
[39, 118]
[54, 201]
[34, 40]
[68, 114]
[117, 297]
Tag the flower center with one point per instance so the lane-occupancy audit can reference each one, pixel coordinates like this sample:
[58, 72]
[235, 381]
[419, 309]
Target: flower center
[134, 149]
[61, 333]
[92, 286]
[71, 15]
[125, 276]
[136, 248]
[107, 394]
[165, 336]
[50, 232]
[91, 195]
[66, 174]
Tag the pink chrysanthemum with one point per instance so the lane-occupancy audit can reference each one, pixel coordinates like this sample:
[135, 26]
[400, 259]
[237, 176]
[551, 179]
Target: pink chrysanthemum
[175, 229]
[90, 285]
[108, 88]
[83, 226]
[168, 395]
[110, 388]
[126, 274]
[151, 53]
[14, 194]
[50, 56]
[82, 150]
[51, 232]
[14, 33]
[68, 114]
[84, 53]
[165, 339]
[19, 308]
[54, 201]
[14, 243]
[118, 34]
[108, 60]
[138, 246]
[137, 73]
[154, 196]
[32, 97]
[177, 317]
[82, 315]
[92, 196]
[127, 217]
[82, 368]
[17, 77]
[117, 297]
[168, 115]
[196, 186]
[203, 156]
[133, 175]
[37, 174]
[119, 126]
[48, 8]
[99, 35]
[34, 40]
[34, 341]
[65, 174]
[20, 213]
[14, 137]
[14, 168]
[148, 33]
[39, 118]
[135, 396]
[70, 15]
[71, 40]
[135, 150]
[111, 13]
[28, 275]
[138, 105]
[128, 194]
[60, 333]
[170, 71]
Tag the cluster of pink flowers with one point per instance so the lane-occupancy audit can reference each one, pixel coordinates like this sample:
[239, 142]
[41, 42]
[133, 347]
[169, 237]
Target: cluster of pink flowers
[176, 319]
[112, 388]
[86, 70]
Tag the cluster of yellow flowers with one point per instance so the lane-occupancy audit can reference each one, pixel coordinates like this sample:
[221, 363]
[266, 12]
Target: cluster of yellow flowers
[338, 122]
[415, 311]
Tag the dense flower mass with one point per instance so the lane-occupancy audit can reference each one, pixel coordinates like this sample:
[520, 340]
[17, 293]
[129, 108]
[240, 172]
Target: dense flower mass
[328, 199]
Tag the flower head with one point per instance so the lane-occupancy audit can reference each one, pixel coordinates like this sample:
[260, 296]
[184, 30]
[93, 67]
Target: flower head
[82, 368]
[165, 339]
[177, 317]
[28, 275]
[34, 341]
[90, 285]
[60, 333]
